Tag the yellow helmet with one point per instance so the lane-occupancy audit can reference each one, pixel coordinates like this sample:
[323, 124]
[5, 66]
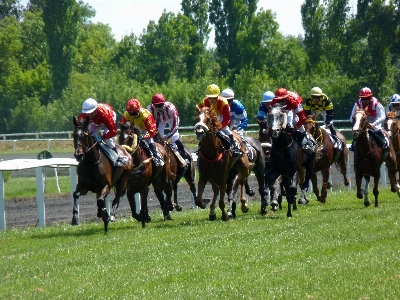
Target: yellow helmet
[212, 90]
[316, 91]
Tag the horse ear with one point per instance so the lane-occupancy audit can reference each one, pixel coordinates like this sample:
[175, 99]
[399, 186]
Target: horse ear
[74, 121]
[197, 108]
[258, 121]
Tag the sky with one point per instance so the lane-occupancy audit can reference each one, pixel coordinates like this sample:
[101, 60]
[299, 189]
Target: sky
[132, 16]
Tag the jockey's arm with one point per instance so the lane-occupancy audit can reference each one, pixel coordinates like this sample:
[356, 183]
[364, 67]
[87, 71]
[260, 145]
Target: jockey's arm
[111, 126]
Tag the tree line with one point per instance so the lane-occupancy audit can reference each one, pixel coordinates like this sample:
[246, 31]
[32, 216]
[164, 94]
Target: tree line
[53, 57]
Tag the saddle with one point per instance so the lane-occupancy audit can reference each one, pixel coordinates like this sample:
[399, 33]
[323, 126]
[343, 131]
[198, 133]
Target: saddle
[117, 160]
[183, 162]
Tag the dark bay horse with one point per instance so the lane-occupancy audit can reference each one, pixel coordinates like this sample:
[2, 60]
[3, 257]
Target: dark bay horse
[392, 126]
[215, 162]
[326, 156]
[96, 173]
[256, 159]
[144, 173]
[265, 140]
[287, 159]
[368, 159]
[178, 171]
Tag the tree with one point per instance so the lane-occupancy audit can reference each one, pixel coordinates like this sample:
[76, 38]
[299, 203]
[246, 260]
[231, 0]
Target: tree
[62, 21]
[11, 8]
[197, 11]
[229, 17]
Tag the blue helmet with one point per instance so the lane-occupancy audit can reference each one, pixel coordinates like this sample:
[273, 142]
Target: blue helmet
[267, 97]
[395, 98]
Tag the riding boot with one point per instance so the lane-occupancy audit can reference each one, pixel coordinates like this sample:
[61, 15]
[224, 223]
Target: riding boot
[385, 145]
[233, 146]
[352, 146]
[158, 160]
[181, 149]
[332, 129]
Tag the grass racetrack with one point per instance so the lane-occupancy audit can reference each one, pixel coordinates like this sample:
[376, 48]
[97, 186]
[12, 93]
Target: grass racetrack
[340, 250]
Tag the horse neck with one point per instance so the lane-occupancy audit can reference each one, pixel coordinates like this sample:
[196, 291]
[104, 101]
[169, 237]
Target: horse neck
[263, 135]
[396, 137]
[363, 140]
[211, 145]
[284, 140]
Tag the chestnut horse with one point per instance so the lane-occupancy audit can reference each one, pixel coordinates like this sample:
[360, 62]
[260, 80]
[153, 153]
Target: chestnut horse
[287, 159]
[144, 173]
[392, 126]
[96, 173]
[368, 159]
[178, 171]
[326, 156]
[215, 162]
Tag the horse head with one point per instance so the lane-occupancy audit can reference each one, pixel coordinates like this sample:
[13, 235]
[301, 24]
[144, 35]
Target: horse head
[128, 136]
[359, 122]
[391, 124]
[83, 141]
[276, 121]
[206, 121]
[310, 124]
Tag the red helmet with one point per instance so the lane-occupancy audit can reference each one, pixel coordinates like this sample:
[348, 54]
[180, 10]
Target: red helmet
[158, 99]
[281, 94]
[365, 93]
[133, 105]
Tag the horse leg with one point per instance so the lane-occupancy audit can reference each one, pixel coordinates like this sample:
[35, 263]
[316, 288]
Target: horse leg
[221, 203]
[314, 181]
[199, 201]
[119, 193]
[290, 196]
[375, 190]
[261, 186]
[144, 216]
[249, 191]
[324, 189]
[213, 216]
[359, 193]
[343, 168]
[303, 199]
[231, 187]
[75, 212]
[190, 175]
[175, 204]
[163, 203]
[366, 199]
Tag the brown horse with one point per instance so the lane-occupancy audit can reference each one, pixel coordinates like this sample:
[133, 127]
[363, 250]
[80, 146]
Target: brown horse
[215, 162]
[96, 173]
[392, 126]
[326, 156]
[188, 171]
[368, 158]
[144, 173]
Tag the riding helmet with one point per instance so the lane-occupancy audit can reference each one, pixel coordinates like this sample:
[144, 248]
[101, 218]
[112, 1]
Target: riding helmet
[316, 91]
[212, 91]
[281, 94]
[268, 96]
[89, 105]
[158, 99]
[133, 105]
[365, 93]
[228, 94]
[395, 98]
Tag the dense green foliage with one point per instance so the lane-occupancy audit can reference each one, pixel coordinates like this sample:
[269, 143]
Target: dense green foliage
[52, 57]
[340, 250]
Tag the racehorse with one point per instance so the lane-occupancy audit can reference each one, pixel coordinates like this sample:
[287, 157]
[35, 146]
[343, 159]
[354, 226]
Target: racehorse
[178, 171]
[265, 140]
[326, 156]
[392, 126]
[144, 173]
[256, 159]
[368, 158]
[96, 173]
[287, 159]
[215, 162]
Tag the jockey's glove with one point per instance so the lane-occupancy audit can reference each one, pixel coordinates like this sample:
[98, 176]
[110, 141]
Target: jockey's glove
[97, 138]
[291, 130]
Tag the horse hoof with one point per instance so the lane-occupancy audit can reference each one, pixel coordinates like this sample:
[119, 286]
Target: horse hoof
[148, 219]
[112, 218]
[167, 218]
[178, 207]
[170, 207]
[273, 207]
[303, 201]
[74, 222]
[366, 204]
[212, 217]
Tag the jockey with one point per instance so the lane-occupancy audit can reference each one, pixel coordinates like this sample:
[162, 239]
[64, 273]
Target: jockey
[220, 106]
[238, 112]
[141, 117]
[102, 116]
[375, 116]
[395, 105]
[164, 112]
[319, 103]
[291, 101]
[265, 105]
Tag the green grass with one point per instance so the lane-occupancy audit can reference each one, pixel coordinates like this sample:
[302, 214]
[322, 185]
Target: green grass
[22, 187]
[340, 250]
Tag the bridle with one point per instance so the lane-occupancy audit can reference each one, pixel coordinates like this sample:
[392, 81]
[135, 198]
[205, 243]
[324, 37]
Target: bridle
[85, 148]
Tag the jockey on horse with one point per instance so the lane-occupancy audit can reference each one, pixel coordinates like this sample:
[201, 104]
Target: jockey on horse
[102, 116]
[395, 105]
[375, 117]
[141, 117]
[319, 103]
[164, 112]
[220, 106]
[291, 101]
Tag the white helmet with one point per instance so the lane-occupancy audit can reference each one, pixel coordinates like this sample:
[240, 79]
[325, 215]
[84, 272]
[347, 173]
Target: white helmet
[395, 98]
[227, 94]
[89, 105]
